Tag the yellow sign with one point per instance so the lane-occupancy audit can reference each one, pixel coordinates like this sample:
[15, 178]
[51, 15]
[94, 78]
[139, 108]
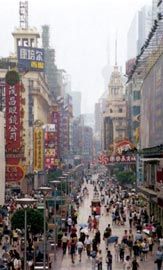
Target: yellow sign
[38, 149]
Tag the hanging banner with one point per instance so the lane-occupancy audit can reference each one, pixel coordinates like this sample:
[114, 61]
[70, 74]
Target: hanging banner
[38, 149]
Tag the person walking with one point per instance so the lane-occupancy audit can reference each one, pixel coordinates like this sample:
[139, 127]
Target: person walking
[135, 265]
[64, 243]
[159, 258]
[72, 250]
[80, 247]
[99, 260]
[109, 260]
[87, 244]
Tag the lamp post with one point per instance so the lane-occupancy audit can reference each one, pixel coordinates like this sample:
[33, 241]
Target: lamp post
[45, 191]
[54, 183]
[25, 202]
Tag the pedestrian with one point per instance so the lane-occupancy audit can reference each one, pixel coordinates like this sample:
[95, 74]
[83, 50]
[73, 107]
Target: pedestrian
[98, 237]
[87, 244]
[122, 251]
[159, 258]
[69, 223]
[130, 220]
[64, 243]
[109, 260]
[80, 247]
[116, 250]
[127, 263]
[135, 264]
[99, 260]
[90, 223]
[72, 250]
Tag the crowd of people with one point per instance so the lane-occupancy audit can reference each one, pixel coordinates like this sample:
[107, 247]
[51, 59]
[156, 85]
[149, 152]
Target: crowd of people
[133, 248]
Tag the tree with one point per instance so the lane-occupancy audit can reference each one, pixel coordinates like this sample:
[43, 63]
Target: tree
[126, 177]
[35, 220]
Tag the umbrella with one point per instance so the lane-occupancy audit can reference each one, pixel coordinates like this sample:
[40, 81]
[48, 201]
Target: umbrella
[85, 231]
[83, 225]
[112, 239]
[146, 231]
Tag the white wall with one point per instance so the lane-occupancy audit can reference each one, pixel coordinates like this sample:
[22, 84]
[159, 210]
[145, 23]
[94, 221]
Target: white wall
[2, 160]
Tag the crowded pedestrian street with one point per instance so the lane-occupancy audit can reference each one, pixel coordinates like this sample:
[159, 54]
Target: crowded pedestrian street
[117, 230]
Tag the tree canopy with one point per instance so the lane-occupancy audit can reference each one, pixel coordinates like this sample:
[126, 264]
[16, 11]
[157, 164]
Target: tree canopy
[35, 220]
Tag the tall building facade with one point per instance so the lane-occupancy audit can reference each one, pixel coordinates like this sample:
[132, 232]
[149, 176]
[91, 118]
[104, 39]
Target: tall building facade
[115, 115]
[138, 31]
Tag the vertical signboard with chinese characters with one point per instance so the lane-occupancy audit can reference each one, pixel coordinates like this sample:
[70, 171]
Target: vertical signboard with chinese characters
[15, 170]
[13, 117]
[55, 119]
[50, 151]
[30, 59]
[38, 149]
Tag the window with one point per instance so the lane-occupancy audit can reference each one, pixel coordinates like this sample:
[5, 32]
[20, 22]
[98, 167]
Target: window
[136, 110]
[135, 124]
[111, 110]
[136, 95]
[120, 110]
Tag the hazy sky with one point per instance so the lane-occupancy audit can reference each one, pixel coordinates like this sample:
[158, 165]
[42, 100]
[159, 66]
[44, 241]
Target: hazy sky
[80, 33]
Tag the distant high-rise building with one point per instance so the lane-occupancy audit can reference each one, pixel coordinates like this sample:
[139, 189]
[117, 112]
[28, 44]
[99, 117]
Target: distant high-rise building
[50, 67]
[138, 31]
[76, 102]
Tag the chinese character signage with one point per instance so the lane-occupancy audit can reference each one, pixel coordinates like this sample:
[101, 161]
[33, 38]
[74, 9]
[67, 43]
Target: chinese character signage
[13, 118]
[38, 149]
[50, 146]
[105, 160]
[30, 59]
[14, 172]
[14, 102]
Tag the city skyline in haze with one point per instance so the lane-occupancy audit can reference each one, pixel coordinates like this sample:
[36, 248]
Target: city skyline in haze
[81, 33]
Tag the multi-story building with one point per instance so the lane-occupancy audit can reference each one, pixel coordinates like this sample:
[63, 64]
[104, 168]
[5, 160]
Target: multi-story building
[76, 101]
[87, 144]
[115, 115]
[147, 75]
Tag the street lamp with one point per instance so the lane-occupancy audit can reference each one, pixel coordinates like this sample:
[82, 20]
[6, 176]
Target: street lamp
[25, 202]
[45, 191]
[55, 182]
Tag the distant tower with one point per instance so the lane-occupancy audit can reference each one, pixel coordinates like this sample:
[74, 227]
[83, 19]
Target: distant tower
[106, 71]
[23, 13]
[116, 51]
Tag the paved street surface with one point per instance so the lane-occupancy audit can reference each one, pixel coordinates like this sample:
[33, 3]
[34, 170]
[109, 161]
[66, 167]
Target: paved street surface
[85, 264]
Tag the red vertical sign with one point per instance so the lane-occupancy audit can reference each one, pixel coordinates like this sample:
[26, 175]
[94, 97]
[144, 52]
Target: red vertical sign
[13, 117]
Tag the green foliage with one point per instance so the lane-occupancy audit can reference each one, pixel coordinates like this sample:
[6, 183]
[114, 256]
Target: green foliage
[12, 77]
[126, 177]
[35, 220]
[53, 175]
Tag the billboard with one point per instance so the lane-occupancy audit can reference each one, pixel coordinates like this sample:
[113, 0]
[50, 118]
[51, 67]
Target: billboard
[30, 59]
[151, 124]
[38, 149]
[122, 159]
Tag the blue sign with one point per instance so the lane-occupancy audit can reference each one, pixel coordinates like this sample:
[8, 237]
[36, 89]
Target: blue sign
[30, 59]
